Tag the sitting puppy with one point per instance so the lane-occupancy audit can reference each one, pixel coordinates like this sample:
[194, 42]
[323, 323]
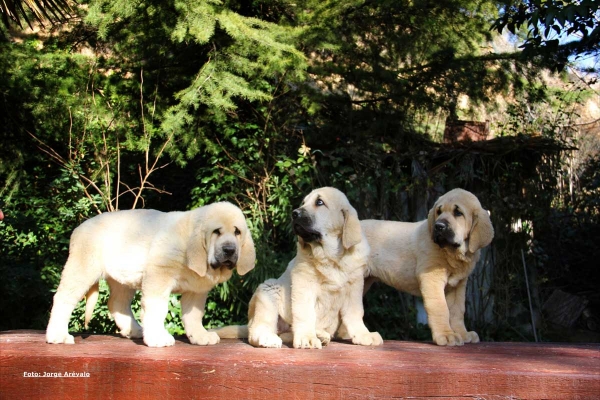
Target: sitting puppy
[158, 253]
[322, 286]
[433, 259]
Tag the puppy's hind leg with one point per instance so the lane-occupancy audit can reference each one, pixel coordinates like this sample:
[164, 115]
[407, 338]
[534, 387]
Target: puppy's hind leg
[75, 281]
[91, 298]
[119, 305]
[263, 315]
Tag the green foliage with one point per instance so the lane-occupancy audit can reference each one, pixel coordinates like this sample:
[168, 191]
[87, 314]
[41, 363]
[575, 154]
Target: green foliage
[226, 57]
[380, 62]
[35, 238]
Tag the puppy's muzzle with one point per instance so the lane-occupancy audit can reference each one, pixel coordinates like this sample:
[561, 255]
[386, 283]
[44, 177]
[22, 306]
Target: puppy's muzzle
[303, 226]
[226, 257]
[443, 235]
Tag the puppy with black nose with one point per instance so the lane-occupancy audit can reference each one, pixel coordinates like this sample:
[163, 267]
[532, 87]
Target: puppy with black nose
[158, 253]
[302, 224]
[443, 235]
[322, 286]
[226, 255]
[433, 259]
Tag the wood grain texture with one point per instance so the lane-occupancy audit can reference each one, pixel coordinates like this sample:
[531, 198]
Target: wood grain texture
[120, 368]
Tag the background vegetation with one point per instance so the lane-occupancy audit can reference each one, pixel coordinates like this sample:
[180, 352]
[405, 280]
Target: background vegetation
[175, 104]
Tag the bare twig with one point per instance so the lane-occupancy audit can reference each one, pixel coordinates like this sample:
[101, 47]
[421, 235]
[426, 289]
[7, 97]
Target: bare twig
[148, 169]
[58, 159]
[70, 134]
[144, 184]
[235, 174]
[118, 175]
[106, 174]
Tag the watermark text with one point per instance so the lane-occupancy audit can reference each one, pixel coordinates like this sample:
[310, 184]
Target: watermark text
[62, 374]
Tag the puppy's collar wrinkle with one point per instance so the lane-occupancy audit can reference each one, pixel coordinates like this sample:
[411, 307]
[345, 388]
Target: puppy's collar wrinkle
[324, 254]
[460, 255]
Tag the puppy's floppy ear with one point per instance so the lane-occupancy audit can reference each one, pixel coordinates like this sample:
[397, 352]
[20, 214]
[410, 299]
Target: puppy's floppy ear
[482, 231]
[351, 233]
[247, 257]
[197, 257]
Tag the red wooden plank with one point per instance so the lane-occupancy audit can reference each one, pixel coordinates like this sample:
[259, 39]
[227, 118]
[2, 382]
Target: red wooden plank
[119, 368]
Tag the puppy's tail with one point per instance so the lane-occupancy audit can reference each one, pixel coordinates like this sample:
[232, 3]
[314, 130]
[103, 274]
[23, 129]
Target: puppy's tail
[232, 332]
[90, 302]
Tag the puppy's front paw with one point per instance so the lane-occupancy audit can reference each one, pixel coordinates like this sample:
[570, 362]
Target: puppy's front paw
[158, 339]
[470, 337]
[368, 339]
[268, 340]
[448, 339]
[59, 338]
[324, 337]
[204, 338]
[307, 342]
[135, 333]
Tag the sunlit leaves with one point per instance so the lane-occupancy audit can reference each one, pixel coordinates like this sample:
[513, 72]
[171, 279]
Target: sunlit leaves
[227, 57]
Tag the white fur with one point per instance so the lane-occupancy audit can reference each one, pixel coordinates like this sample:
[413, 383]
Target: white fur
[320, 289]
[157, 253]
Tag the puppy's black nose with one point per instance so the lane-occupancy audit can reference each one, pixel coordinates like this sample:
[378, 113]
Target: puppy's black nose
[296, 213]
[229, 249]
[441, 226]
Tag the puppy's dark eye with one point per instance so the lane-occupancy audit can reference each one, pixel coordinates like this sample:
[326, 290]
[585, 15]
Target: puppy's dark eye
[439, 211]
[217, 231]
[319, 203]
[457, 212]
[237, 232]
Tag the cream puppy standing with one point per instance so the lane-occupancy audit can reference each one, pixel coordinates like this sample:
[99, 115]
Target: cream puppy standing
[433, 259]
[158, 253]
[322, 286]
